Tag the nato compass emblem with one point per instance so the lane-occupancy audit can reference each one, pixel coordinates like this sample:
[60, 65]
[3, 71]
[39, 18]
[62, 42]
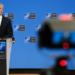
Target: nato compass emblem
[27, 39]
[37, 27]
[48, 15]
[16, 27]
[5, 14]
[2, 45]
[26, 15]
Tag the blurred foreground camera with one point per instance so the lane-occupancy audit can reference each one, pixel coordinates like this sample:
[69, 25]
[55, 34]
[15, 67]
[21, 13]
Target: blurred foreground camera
[57, 34]
[59, 68]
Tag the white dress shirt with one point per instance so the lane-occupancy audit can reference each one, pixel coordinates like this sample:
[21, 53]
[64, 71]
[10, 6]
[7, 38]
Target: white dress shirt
[0, 19]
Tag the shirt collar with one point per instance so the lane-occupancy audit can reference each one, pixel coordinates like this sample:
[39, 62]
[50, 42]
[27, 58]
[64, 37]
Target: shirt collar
[1, 16]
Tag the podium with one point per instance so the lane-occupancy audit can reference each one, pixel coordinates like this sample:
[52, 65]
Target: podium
[5, 50]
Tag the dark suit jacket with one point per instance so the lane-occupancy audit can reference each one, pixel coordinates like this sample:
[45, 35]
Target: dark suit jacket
[6, 30]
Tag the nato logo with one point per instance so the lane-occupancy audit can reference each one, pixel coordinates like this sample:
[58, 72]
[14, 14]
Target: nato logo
[5, 14]
[48, 16]
[32, 15]
[73, 15]
[26, 15]
[27, 39]
[32, 39]
[37, 27]
[22, 27]
[16, 27]
[53, 15]
[10, 15]
[2, 45]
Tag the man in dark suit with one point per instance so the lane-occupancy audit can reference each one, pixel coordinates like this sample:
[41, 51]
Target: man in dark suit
[6, 30]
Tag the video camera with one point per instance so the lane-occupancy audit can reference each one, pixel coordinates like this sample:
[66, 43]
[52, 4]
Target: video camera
[57, 34]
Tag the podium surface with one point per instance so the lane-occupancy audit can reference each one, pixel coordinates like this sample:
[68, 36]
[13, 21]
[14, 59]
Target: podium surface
[5, 51]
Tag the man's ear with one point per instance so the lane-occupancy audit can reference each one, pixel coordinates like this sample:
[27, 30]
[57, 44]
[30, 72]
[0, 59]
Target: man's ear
[3, 10]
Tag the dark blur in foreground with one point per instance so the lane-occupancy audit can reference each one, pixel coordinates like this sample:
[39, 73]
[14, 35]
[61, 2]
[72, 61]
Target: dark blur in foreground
[58, 33]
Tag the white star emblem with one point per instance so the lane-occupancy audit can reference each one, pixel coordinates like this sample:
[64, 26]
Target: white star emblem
[16, 28]
[48, 16]
[38, 27]
[26, 15]
[1, 46]
[5, 16]
[27, 39]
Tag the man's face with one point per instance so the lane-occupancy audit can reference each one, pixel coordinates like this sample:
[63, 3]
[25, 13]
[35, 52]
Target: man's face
[1, 9]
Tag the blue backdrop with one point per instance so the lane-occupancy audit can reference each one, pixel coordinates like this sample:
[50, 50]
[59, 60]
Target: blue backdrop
[27, 55]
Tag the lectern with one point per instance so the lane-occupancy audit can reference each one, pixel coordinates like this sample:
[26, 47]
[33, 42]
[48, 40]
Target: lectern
[5, 50]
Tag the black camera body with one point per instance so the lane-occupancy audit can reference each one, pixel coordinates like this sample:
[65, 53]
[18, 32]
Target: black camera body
[55, 33]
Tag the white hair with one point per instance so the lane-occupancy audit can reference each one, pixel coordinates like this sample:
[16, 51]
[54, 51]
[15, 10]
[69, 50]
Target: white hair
[2, 5]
